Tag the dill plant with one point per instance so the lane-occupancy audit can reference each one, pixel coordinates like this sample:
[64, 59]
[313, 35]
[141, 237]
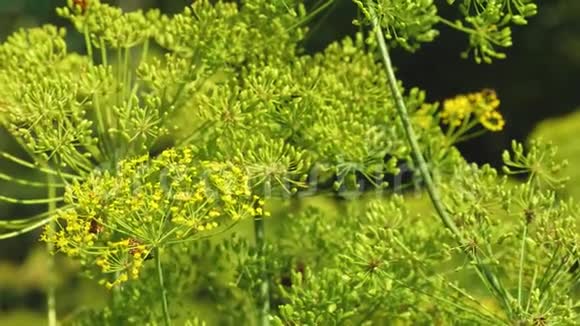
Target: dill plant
[171, 130]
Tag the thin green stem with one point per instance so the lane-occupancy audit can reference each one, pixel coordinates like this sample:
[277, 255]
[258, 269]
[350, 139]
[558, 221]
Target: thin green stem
[162, 289]
[106, 111]
[456, 26]
[264, 289]
[29, 228]
[29, 165]
[120, 77]
[18, 223]
[104, 60]
[410, 133]
[51, 286]
[560, 274]
[491, 319]
[418, 156]
[522, 256]
[531, 289]
[25, 182]
[547, 269]
[126, 73]
[459, 27]
[103, 145]
[31, 201]
[317, 9]
[315, 27]
[264, 295]
[101, 124]
[88, 44]
[145, 51]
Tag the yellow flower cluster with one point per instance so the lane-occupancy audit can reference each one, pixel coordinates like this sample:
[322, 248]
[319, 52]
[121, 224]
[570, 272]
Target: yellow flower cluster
[114, 220]
[124, 257]
[423, 117]
[73, 236]
[483, 105]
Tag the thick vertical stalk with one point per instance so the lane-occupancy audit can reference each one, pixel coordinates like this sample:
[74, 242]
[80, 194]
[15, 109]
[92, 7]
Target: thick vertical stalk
[410, 133]
[162, 289]
[264, 289]
[51, 284]
[420, 161]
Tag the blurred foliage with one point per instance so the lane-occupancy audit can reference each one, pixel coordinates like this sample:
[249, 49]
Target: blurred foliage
[17, 295]
[563, 132]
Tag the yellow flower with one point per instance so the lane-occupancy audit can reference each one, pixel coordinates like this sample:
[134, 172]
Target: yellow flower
[492, 120]
[482, 104]
[484, 101]
[455, 110]
[182, 196]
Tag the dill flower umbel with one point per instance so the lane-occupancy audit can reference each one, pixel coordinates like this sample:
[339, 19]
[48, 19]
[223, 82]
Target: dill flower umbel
[483, 105]
[114, 220]
[455, 110]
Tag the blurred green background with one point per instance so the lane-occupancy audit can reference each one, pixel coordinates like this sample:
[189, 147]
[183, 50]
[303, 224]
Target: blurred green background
[539, 86]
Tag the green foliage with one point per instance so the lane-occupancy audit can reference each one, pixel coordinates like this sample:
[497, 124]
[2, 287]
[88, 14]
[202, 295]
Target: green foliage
[116, 221]
[487, 22]
[407, 22]
[539, 162]
[361, 268]
[170, 129]
[525, 234]
[560, 132]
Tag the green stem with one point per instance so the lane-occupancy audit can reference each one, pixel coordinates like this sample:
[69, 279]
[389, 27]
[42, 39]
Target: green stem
[126, 73]
[31, 201]
[88, 44]
[522, 256]
[25, 182]
[264, 295]
[120, 77]
[145, 51]
[25, 229]
[470, 31]
[51, 286]
[18, 223]
[103, 144]
[410, 133]
[418, 156]
[317, 9]
[29, 165]
[264, 290]
[101, 124]
[162, 289]
[456, 26]
[104, 60]
[532, 287]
